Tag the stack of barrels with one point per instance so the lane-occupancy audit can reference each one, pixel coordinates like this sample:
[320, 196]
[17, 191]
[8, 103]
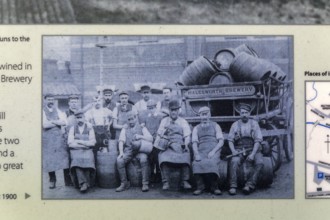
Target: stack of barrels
[240, 64]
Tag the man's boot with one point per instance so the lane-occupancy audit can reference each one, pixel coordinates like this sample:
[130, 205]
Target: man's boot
[67, 177]
[52, 180]
[185, 177]
[165, 171]
[145, 177]
[252, 181]
[123, 179]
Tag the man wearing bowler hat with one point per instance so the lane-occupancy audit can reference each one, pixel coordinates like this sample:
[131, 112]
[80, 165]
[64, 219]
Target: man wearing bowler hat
[81, 141]
[207, 140]
[176, 152]
[132, 140]
[245, 134]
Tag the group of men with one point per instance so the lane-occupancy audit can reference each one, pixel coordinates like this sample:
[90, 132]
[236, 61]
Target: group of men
[153, 133]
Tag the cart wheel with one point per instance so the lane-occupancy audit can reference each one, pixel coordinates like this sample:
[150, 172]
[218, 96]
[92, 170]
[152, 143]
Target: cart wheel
[288, 146]
[288, 138]
[275, 143]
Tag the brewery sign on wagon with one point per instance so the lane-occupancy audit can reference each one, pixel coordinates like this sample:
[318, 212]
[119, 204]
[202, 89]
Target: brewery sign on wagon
[244, 90]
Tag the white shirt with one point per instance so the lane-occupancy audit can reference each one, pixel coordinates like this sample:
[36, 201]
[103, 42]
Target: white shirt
[142, 105]
[101, 116]
[61, 116]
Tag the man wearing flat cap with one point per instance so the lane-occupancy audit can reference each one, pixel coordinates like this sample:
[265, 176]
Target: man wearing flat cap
[120, 113]
[132, 140]
[176, 152]
[245, 134]
[141, 105]
[73, 102]
[207, 140]
[54, 150]
[108, 102]
[81, 141]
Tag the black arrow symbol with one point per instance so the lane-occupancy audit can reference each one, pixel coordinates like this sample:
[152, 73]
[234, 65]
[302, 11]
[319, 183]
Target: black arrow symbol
[27, 196]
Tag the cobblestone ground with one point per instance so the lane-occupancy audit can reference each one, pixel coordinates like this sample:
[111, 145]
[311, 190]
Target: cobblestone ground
[281, 188]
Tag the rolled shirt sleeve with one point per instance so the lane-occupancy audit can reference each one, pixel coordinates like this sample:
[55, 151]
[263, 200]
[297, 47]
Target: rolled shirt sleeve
[232, 132]
[218, 131]
[122, 135]
[257, 135]
[185, 126]
[115, 113]
[71, 136]
[195, 135]
[91, 134]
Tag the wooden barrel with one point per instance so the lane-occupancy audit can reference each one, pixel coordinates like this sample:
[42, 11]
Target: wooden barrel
[106, 170]
[247, 68]
[223, 171]
[198, 72]
[246, 49]
[223, 58]
[134, 173]
[221, 78]
[113, 146]
[265, 178]
[175, 178]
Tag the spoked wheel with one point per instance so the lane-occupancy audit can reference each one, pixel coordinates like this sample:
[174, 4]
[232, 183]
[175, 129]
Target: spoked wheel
[275, 144]
[288, 138]
[288, 146]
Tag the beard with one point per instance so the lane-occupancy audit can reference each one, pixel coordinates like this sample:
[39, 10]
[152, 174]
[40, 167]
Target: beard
[107, 101]
[245, 119]
[80, 123]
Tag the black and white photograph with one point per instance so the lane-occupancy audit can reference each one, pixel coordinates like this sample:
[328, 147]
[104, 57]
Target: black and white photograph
[308, 12]
[167, 117]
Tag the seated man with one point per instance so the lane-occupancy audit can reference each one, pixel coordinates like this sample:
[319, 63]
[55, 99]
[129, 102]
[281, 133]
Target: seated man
[244, 134]
[81, 141]
[177, 131]
[151, 120]
[130, 142]
[207, 141]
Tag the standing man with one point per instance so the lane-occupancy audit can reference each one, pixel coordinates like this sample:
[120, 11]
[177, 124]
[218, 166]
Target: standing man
[101, 119]
[152, 121]
[81, 141]
[176, 152]
[120, 112]
[167, 93]
[141, 105]
[245, 134]
[108, 102]
[55, 152]
[71, 121]
[207, 140]
[131, 140]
